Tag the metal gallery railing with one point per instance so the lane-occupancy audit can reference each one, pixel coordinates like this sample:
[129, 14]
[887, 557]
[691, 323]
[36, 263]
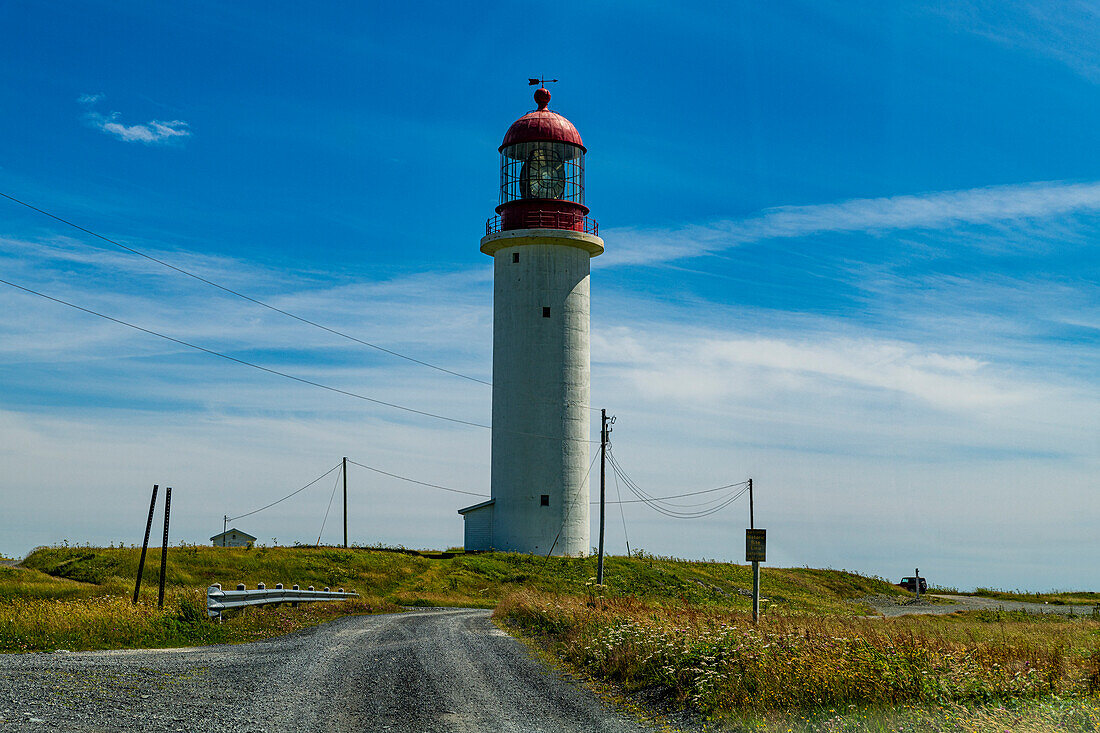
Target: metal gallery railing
[546, 220]
[218, 600]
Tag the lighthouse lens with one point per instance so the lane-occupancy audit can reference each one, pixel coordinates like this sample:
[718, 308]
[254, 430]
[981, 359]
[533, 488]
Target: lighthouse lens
[542, 170]
[544, 175]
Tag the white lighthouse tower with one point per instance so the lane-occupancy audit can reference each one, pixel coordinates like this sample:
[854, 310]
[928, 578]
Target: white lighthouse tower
[541, 243]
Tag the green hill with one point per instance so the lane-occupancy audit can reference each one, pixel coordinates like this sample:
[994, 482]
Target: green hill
[446, 579]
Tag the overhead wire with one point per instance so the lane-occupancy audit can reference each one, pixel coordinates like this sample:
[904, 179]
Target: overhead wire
[277, 372]
[292, 493]
[622, 512]
[569, 508]
[329, 507]
[249, 298]
[241, 295]
[655, 503]
[414, 481]
[645, 496]
[678, 496]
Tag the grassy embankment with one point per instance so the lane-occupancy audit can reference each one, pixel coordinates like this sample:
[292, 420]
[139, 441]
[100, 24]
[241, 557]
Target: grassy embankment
[1054, 597]
[78, 597]
[966, 671]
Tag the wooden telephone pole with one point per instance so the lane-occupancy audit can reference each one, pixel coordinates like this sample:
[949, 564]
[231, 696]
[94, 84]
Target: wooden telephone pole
[603, 468]
[756, 553]
[755, 566]
[345, 472]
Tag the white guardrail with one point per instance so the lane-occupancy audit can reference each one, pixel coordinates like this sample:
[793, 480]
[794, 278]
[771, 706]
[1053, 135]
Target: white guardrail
[218, 600]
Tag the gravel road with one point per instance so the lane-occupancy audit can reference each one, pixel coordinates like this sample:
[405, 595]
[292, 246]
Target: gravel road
[423, 671]
[889, 606]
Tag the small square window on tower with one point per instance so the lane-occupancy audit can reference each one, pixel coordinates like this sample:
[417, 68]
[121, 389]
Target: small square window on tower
[515, 257]
[546, 311]
[544, 500]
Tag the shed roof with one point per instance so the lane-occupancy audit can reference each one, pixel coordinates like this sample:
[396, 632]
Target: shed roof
[475, 507]
[244, 535]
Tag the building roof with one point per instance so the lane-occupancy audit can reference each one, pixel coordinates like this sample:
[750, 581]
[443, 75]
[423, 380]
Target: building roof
[483, 504]
[542, 125]
[244, 535]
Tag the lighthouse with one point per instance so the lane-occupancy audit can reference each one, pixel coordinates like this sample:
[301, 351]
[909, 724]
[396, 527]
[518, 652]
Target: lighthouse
[541, 241]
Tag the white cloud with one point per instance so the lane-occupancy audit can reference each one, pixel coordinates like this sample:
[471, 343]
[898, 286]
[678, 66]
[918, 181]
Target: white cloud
[1065, 32]
[151, 132]
[935, 210]
[154, 131]
[840, 430]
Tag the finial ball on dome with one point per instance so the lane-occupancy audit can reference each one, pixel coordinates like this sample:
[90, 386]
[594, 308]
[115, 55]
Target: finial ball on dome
[542, 97]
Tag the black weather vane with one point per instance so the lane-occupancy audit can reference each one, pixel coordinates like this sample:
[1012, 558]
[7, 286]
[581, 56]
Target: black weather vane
[533, 82]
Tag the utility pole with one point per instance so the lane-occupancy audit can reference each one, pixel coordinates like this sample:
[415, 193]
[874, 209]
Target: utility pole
[755, 567]
[345, 472]
[145, 543]
[225, 527]
[603, 465]
[917, 581]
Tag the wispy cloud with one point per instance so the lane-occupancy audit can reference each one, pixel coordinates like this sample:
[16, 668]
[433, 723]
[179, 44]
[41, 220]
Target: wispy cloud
[935, 210]
[843, 427]
[1065, 31]
[151, 132]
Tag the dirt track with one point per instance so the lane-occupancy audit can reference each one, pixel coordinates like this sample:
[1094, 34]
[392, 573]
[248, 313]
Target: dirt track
[888, 606]
[439, 670]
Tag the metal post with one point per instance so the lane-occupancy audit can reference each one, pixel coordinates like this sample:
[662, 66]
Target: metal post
[755, 566]
[345, 472]
[603, 460]
[145, 544]
[164, 547]
[917, 582]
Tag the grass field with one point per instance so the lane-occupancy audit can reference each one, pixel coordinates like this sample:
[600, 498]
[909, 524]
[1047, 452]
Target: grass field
[78, 597]
[464, 580]
[1052, 597]
[664, 631]
[962, 672]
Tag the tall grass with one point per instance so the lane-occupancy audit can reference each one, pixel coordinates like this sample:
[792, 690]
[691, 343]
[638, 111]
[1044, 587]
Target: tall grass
[113, 622]
[717, 661]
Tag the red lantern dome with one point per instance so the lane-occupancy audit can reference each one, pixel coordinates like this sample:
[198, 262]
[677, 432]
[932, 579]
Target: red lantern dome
[542, 174]
[542, 125]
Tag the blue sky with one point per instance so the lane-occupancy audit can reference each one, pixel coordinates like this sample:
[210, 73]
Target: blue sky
[850, 253]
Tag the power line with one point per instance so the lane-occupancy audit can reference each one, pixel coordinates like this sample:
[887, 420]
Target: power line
[653, 502]
[678, 496]
[329, 507]
[276, 372]
[243, 362]
[570, 507]
[622, 512]
[292, 493]
[256, 301]
[241, 295]
[414, 481]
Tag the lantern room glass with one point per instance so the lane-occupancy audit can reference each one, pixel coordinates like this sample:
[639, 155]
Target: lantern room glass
[542, 170]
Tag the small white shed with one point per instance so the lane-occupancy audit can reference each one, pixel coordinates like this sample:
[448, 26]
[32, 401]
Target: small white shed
[478, 525]
[232, 538]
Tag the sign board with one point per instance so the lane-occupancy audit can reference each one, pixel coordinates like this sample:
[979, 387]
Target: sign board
[755, 545]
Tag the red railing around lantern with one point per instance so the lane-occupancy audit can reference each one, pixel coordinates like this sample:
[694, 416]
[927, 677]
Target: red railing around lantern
[568, 220]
